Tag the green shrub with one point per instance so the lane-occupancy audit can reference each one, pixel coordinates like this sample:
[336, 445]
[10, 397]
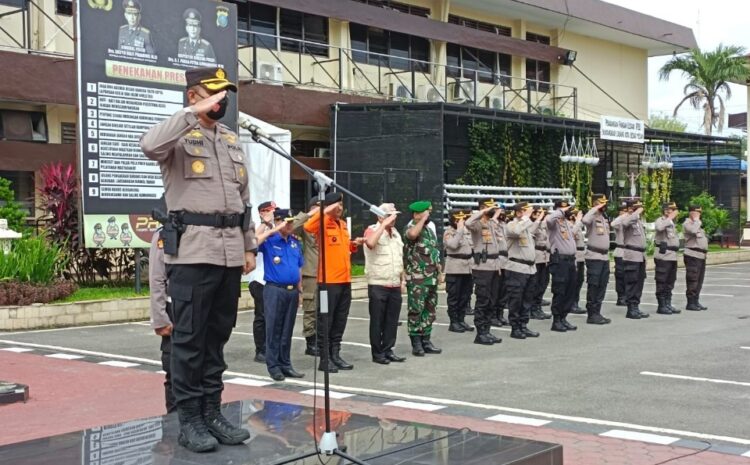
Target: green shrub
[10, 209]
[713, 217]
[32, 260]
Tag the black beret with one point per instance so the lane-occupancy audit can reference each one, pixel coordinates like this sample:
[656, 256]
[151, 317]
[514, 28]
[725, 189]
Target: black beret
[267, 205]
[561, 203]
[334, 197]
[520, 206]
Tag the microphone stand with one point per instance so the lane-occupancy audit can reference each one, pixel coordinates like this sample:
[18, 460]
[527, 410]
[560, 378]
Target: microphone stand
[328, 444]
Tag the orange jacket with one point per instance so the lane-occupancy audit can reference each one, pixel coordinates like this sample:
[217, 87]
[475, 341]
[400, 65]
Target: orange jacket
[338, 249]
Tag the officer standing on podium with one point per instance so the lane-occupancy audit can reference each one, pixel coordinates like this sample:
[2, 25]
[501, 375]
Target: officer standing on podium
[209, 241]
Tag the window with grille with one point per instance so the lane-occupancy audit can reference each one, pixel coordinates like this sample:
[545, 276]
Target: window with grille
[538, 73]
[68, 133]
[401, 48]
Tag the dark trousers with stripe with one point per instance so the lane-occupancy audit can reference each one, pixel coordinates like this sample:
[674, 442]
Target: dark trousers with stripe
[204, 302]
[519, 288]
[597, 278]
[580, 279]
[166, 354]
[620, 277]
[695, 272]
[665, 275]
[339, 301]
[635, 277]
[541, 281]
[563, 271]
[486, 288]
[458, 288]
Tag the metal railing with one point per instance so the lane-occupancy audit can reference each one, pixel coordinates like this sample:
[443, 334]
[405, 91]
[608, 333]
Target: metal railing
[274, 59]
[23, 39]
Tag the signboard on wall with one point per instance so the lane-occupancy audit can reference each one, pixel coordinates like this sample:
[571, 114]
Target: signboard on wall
[132, 56]
[622, 129]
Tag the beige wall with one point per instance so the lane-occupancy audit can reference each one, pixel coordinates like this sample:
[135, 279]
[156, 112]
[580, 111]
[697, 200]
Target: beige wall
[45, 35]
[620, 70]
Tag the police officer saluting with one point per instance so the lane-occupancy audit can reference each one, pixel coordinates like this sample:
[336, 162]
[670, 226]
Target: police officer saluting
[622, 210]
[634, 258]
[485, 271]
[665, 258]
[696, 249]
[520, 269]
[597, 259]
[458, 261]
[562, 266]
[209, 241]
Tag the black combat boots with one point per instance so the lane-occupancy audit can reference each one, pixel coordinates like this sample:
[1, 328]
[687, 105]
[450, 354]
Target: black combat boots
[663, 309]
[312, 346]
[527, 332]
[671, 308]
[194, 435]
[692, 304]
[466, 326]
[338, 361]
[484, 337]
[428, 347]
[218, 425]
[517, 333]
[416, 346]
[557, 324]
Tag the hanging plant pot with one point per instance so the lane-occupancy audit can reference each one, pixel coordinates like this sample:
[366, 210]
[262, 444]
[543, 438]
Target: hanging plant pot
[621, 183]
[610, 182]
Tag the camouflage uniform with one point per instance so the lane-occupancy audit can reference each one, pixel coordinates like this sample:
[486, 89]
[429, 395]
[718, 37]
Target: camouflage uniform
[421, 261]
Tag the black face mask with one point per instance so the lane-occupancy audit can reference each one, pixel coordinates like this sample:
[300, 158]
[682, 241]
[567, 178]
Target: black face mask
[219, 114]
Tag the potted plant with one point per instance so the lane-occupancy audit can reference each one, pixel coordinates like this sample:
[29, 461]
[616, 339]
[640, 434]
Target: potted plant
[621, 180]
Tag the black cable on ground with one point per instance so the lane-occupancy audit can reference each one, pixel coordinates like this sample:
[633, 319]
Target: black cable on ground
[414, 446]
[708, 446]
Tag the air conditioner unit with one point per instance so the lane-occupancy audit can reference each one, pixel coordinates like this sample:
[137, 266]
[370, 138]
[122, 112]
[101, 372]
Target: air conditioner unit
[398, 91]
[270, 73]
[428, 93]
[462, 92]
[321, 152]
[496, 102]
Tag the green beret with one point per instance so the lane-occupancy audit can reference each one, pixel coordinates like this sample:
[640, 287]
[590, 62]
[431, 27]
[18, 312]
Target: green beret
[420, 205]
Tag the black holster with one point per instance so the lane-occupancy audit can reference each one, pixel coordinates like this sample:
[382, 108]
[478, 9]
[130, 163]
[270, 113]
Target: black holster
[247, 219]
[662, 248]
[171, 231]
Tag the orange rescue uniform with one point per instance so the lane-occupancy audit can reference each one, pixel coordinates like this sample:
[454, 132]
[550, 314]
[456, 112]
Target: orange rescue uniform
[338, 249]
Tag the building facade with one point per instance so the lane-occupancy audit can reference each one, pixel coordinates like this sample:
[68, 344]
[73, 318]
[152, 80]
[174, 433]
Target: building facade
[298, 58]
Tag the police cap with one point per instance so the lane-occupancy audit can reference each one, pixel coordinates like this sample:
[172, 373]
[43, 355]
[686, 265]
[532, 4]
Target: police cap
[210, 77]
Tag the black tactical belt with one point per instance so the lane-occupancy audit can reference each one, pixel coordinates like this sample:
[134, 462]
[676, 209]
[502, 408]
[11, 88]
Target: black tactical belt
[581, 248]
[541, 248]
[598, 250]
[218, 220]
[696, 249]
[673, 248]
[463, 256]
[503, 253]
[619, 246]
[523, 262]
[632, 247]
[561, 256]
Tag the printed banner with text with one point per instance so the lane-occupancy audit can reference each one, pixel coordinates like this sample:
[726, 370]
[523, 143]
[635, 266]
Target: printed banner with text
[132, 57]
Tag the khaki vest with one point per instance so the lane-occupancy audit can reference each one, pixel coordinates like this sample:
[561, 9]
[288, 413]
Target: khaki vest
[385, 263]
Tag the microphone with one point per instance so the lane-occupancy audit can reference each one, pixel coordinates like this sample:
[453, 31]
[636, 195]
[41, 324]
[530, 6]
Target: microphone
[255, 130]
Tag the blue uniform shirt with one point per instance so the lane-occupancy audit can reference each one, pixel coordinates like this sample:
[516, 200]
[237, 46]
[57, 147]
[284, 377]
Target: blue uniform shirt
[282, 259]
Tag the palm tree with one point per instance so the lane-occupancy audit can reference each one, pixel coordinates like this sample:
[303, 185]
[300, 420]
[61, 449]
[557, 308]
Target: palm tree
[709, 74]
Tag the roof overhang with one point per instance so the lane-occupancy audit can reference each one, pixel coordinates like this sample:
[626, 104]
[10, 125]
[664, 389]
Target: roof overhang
[595, 18]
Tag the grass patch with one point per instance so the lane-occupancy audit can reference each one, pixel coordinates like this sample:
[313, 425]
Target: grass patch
[103, 293]
[358, 270]
[717, 248]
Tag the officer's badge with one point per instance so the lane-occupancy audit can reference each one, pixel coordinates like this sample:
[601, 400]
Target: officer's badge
[221, 74]
[160, 243]
[196, 133]
[222, 16]
[231, 138]
[198, 167]
[294, 245]
[105, 5]
[242, 172]
[276, 260]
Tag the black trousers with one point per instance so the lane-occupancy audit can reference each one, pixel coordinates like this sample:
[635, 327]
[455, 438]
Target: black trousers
[259, 317]
[519, 288]
[620, 277]
[665, 275]
[597, 278]
[458, 288]
[541, 281]
[166, 353]
[695, 271]
[563, 271]
[635, 276]
[486, 284]
[502, 299]
[580, 278]
[339, 301]
[204, 301]
[385, 308]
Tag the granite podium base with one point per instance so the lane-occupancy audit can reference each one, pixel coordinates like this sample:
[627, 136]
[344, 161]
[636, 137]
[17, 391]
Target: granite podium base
[280, 431]
[13, 392]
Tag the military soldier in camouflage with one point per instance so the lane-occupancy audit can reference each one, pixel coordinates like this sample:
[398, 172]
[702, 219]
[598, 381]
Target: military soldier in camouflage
[193, 46]
[422, 269]
[696, 251]
[133, 34]
[597, 259]
[665, 258]
[209, 243]
[634, 258]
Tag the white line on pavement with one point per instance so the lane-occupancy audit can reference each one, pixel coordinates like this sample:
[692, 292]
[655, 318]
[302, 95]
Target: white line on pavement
[119, 364]
[439, 401]
[695, 378]
[702, 294]
[357, 344]
[248, 382]
[518, 420]
[414, 405]
[332, 394]
[644, 437]
[746, 348]
[68, 328]
[17, 350]
[746, 454]
[64, 356]
[614, 302]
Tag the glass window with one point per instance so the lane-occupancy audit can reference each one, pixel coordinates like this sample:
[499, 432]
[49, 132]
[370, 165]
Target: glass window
[420, 50]
[454, 61]
[263, 21]
[290, 25]
[377, 42]
[399, 48]
[64, 7]
[243, 23]
[486, 65]
[358, 34]
[316, 30]
[301, 26]
[537, 70]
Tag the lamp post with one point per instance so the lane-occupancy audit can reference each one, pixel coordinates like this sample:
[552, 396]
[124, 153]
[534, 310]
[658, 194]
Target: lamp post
[7, 235]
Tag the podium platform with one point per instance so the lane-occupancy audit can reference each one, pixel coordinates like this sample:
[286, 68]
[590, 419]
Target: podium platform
[280, 431]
